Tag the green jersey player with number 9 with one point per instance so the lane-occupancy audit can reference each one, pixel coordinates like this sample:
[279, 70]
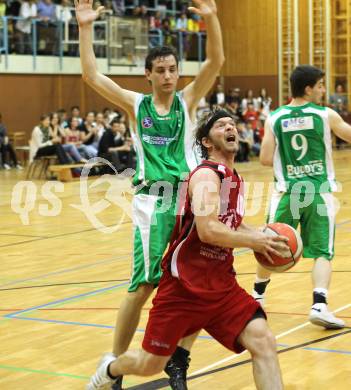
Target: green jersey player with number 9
[298, 144]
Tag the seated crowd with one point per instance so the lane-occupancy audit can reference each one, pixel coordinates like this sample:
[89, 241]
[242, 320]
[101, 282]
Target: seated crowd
[76, 140]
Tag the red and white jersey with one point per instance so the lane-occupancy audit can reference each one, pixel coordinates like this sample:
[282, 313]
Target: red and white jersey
[203, 269]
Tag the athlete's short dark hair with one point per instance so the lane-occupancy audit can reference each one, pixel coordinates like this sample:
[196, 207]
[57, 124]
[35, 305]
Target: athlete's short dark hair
[159, 51]
[204, 126]
[304, 76]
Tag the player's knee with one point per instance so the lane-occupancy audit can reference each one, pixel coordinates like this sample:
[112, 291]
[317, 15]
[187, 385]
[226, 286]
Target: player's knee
[141, 294]
[264, 345]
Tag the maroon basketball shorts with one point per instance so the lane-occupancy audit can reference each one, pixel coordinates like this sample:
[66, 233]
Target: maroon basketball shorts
[176, 313]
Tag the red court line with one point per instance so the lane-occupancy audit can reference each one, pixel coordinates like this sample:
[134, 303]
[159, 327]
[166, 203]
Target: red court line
[144, 308]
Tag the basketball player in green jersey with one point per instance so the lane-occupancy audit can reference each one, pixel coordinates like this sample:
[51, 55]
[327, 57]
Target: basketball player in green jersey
[163, 139]
[298, 144]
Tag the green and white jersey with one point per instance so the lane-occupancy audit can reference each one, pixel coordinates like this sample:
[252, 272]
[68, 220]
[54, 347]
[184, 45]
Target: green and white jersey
[303, 155]
[164, 143]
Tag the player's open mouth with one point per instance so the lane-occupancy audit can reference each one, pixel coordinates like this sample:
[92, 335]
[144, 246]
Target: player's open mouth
[231, 138]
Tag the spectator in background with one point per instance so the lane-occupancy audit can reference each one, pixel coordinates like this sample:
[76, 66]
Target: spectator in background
[63, 12]
[338, 101]
[202, 25]
[46, 11]
[136, 12]
[193, 23]
[249, 99]
[202, 107]
[118, 7]
[115, 147]
[41, 143]
[73, 136]
[167, 32]
[260, 130]
[182, 27]
[254, 136]
[63, 15]
[234, 109]
[234, 96]
[338, 97]
[245, 143]
[155, 24]
[144, 14]
[218, 97]
[57, 134]
[75, 113]
[90, 135]
[340, 108]
[63, 119]
[2, 13]
[100, 123]
[109, 115]
[28, 11]
[6, 150]
[47, 27]
[250, 115]
[264, 104]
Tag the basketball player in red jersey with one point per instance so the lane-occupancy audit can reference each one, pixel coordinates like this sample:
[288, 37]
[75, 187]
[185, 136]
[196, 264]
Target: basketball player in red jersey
[198, 289]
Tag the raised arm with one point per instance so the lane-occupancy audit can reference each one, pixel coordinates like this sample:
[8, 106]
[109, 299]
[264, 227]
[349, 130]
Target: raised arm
[268, 145]
[204, 190]
[339, 126]
[102, 84]
[209, 70]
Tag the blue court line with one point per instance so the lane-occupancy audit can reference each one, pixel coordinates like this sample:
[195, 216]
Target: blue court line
[203, 337]
[86, 324]
[95, 292]
[64, 271]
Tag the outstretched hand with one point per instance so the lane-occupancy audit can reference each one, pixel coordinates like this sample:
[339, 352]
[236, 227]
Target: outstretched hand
[85, 13]
[204, 7]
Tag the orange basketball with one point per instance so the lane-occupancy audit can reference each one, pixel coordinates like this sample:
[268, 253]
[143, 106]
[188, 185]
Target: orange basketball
[289, 257]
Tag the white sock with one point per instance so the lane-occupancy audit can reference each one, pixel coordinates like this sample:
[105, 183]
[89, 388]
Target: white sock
[321, 291]
[260, 280]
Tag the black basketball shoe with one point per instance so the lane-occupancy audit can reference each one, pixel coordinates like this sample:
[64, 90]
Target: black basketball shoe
[176, 369]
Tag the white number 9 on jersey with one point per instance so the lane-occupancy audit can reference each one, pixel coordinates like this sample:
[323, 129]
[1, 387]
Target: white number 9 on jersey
[300, 144]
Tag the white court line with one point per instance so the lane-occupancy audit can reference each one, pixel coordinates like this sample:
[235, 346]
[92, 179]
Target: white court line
[227, 359]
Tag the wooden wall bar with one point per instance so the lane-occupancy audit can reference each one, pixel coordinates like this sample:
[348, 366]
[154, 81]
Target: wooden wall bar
[250, 38]
[304, 38]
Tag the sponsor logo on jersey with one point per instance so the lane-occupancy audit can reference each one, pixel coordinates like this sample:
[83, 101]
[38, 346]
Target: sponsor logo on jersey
[298, 123]
[164, 118]
[147, 122]
[312, 169]
[157, 140]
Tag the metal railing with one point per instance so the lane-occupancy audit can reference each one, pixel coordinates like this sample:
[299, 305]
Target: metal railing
[61, 39]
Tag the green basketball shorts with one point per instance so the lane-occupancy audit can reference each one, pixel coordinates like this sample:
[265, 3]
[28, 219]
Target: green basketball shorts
[316, 215]
[153, 223]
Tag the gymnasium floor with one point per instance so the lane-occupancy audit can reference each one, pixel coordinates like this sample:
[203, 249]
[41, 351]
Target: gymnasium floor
[62, 281]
